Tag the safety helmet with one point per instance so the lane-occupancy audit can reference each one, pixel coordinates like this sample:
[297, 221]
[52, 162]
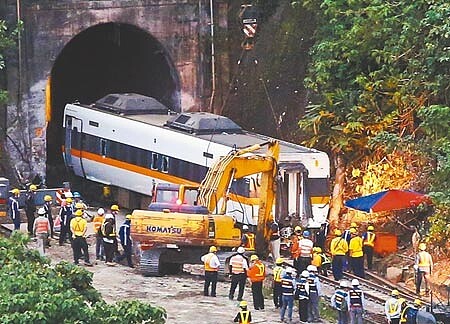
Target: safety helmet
[370, 228]
[306, 233]
[100, 211]
[211, 248]
[15, 191]
[417, 302]
[240, 250]
[355, 282]
[47, 198]
[311, 268]
[244, 227]
[69, 200]
[395, 292]
[279, 261]
[401, 301]
[317, 249]
[337, 232]
[343, 284]
[109, 216]
[353, 230]
[297, 229]
[353, 224]
[422, 246]
[76, 194]
[115, 208]
[243, 304]
[289, 270]
[305, 274]
[78, 212]
[33, 187]
[79, 205]
[128, 216]
[254, 257]
[41, 211]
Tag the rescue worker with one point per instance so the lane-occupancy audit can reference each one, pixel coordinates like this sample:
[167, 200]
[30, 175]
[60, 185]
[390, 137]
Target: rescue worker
[277, 277]
[238, 270]
[338, 249]
[295, 250]
[369, 242]
[256, 274]
[316, 258]
[287, 287]
[48, 211]
[115, 212]
[275, 240]
[347, 235]
[302, 294]
[97, 224]
[409, 313]
[30, 207]
[305, 245]
[78, 225]
[322, 235]
[13, 206]
[244, 316]
[212, 264]
[314, 294]
[78, 200]
[393, 308]
[65, 216]
[341, 301]
[356, 254]
[356, 303]
[324, 262]
[423, 266]
[109, 237]
[41, 229]
[248, 239]
[126, 241]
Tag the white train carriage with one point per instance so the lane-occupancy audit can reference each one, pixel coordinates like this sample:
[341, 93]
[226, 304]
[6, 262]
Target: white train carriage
[134, 142]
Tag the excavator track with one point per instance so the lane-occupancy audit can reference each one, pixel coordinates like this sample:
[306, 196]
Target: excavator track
[223, 257]
[150, 262]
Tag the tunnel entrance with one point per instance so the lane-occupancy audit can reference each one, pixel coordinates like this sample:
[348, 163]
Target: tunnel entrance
[103, 59]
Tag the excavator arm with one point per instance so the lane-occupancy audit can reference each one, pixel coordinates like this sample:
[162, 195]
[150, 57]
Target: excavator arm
[238, 164]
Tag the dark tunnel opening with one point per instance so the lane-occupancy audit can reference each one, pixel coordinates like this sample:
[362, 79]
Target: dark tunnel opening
[103, 59]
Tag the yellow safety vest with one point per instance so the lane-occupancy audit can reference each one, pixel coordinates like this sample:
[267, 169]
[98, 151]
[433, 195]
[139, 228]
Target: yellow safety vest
[356, 247]
[207, 261]
[250, 242]
[244, 316]
[277, 273]
[78, 226]
[370, 239]
[338, 246]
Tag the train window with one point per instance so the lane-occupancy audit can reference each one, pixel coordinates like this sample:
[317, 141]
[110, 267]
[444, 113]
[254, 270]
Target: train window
[114, 150]
[165, 164]
[103, 146]
[154, 165]
[93, 123]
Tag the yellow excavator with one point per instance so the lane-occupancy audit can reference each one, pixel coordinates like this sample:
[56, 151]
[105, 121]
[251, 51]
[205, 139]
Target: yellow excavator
[171, 234]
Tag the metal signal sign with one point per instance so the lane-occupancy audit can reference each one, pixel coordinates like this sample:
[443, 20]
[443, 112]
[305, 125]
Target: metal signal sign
[250, 30]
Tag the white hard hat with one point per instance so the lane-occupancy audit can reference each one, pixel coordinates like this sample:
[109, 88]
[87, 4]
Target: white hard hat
[240, 250]
[100, 211]
[289, 270]
[311, 268]
[305, 274]
[355, 282]
[109, 216]
[245, 227]
[343, 284]
[41, 211]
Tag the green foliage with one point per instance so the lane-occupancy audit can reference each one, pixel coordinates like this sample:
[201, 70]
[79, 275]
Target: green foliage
[7, 41]
[33, 291]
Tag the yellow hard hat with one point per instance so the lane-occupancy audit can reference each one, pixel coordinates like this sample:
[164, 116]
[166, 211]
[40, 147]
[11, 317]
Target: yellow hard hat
[395, 292]
[254, 257]
[78, 212]
[353, 230]
[243, 304]
[279, 261]
[297, 229]
[33, 187]
[353, 224]
[15, 191]
[401, 301]
[47, 198]
[212, 249]
[417, 302]
[370, 228]
[317, 249]
[128, 216]
[422, 246]
[115, 208]
[337, 232]
[69, 200]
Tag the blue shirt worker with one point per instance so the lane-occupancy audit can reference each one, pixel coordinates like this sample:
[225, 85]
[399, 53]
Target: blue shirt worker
[393, 308]
[341, 301]
[48, 211]
[13, 205]
[30, 207]
[302, 294]
[357, 302]
[212, 265]
[125, 240]
[409, 313]
[287, 287]
[314, 294]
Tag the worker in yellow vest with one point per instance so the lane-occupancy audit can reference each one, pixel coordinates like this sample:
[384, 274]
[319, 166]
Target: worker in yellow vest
[369, 243]
[244, 316]
[393, 308]
[423, 267]
[356, 254]
[248, 239]
[97, 223]
[338, 249]
[277, 277]
[212, 264]
[78, 226]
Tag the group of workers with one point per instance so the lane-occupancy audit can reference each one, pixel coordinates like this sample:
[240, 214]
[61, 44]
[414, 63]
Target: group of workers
[73, 226]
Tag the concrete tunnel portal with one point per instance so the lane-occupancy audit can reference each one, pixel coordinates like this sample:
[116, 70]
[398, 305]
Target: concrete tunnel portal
[106, 58]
